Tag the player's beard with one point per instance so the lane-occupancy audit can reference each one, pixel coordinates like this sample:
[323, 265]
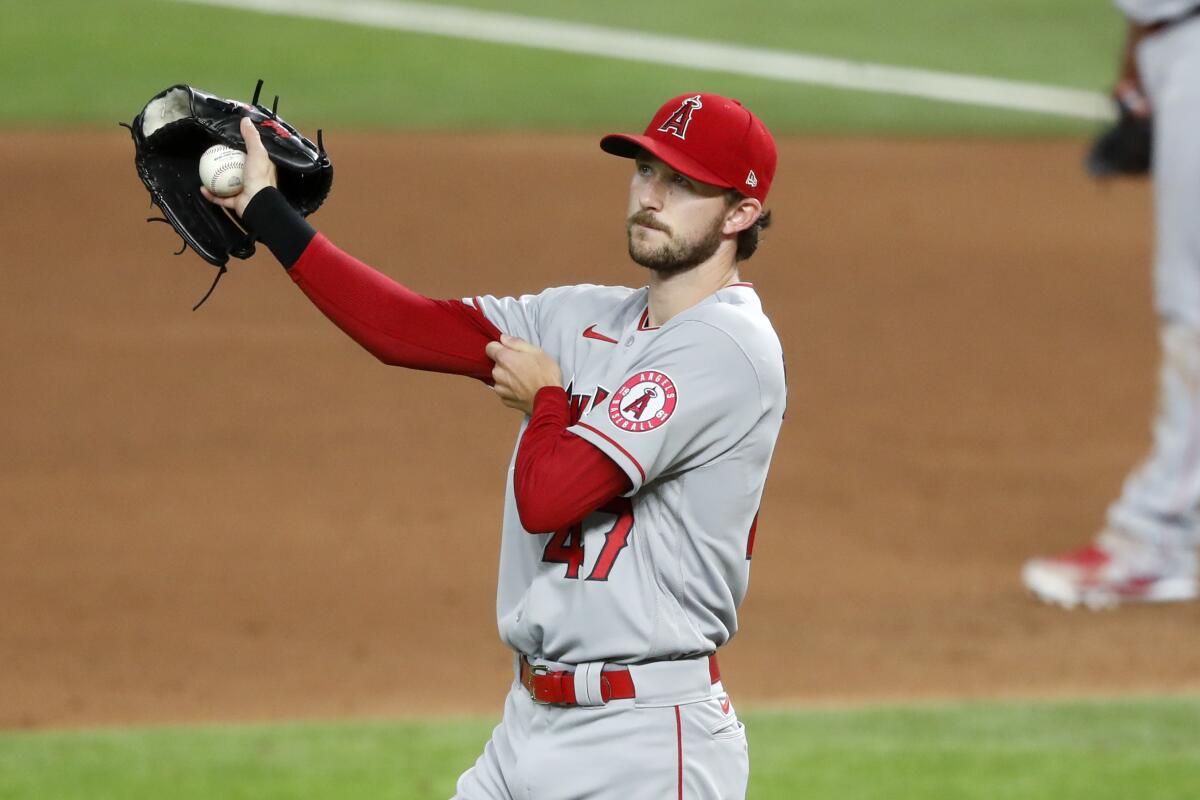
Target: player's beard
[671, 257]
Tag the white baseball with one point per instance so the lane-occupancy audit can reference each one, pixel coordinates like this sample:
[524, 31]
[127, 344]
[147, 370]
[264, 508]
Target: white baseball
[221, 170]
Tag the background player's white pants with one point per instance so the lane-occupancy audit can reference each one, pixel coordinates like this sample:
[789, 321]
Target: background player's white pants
[620, 751]
[1160, 499]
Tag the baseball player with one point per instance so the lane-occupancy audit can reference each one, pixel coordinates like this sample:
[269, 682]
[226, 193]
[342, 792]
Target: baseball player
[633, 493]
[1147, 550]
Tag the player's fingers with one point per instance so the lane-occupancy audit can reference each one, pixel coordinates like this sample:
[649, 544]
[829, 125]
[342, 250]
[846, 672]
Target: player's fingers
[505, 357]
[253, 140]
[517, 343]
[224, 202]
[493, 350]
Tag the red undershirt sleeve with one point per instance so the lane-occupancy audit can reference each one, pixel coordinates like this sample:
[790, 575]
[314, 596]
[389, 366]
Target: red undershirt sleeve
[395, 324]
[560, 478]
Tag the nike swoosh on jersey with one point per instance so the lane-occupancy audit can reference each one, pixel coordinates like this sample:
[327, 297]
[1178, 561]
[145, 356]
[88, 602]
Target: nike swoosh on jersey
[590, 333]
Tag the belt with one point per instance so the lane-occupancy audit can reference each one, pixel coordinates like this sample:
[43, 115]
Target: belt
[558, 687]
[1162, 24]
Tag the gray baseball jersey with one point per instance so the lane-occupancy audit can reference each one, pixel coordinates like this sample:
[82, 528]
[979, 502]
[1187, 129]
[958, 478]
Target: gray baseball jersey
[1146, 11]
[690, 411]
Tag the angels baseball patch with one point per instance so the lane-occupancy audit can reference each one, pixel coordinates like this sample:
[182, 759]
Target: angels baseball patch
[643, 402]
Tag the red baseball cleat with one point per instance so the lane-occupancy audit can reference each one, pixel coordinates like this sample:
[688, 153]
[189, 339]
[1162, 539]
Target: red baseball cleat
[1115, 569]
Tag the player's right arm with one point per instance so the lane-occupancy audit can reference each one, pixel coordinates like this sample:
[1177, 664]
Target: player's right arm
[395, 324]
[1128, 77]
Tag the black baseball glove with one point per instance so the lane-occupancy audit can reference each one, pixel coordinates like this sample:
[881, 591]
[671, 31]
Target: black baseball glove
[1125, 147]
[178, 125]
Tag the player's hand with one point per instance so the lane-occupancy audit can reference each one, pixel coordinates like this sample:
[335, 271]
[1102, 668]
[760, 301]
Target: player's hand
[521, 370]
[1130, 94]
[258, 174]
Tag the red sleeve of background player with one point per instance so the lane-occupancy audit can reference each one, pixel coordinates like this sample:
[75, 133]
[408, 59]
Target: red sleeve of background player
[396, 325]
[560, 478]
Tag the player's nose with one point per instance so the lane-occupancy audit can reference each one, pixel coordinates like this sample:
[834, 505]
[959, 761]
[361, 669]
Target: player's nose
[650, 195]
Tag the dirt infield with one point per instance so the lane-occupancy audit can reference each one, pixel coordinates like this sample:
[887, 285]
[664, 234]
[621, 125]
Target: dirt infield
[237, 514]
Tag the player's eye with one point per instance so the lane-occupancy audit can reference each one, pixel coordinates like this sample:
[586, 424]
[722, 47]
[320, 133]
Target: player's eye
[679, 180]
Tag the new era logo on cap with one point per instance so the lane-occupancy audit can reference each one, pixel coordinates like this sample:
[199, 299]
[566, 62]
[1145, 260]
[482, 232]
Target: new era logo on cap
[710, 138]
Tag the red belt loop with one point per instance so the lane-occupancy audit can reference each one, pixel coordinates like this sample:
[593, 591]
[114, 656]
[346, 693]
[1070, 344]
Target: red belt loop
[557, 688]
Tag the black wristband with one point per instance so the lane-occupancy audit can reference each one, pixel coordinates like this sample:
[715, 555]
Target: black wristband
[277, 225]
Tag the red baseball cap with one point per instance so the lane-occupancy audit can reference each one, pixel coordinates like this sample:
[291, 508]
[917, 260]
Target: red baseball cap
[707, 137]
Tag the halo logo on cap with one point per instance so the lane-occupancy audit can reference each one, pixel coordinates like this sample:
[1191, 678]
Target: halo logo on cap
[677, 123]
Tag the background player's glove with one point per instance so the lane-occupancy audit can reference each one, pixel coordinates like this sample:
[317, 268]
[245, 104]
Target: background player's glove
[178, 125]
[1125, 147]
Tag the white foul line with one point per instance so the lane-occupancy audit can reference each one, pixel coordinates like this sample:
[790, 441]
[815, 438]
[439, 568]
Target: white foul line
[548, 34]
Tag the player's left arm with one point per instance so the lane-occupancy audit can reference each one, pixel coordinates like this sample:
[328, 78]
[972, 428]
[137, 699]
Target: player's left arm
[560, 478]
[691, 398]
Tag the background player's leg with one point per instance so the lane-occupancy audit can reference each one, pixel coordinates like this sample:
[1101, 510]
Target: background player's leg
[1160, 500]
[1158, 504]
[1148, 550]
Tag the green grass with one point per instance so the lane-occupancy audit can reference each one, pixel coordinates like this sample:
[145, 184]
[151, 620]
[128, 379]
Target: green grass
[1066, 42]
[83, 63]
[1145, 749]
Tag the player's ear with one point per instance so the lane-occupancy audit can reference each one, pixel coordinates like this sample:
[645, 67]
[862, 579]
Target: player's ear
[742, 213]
